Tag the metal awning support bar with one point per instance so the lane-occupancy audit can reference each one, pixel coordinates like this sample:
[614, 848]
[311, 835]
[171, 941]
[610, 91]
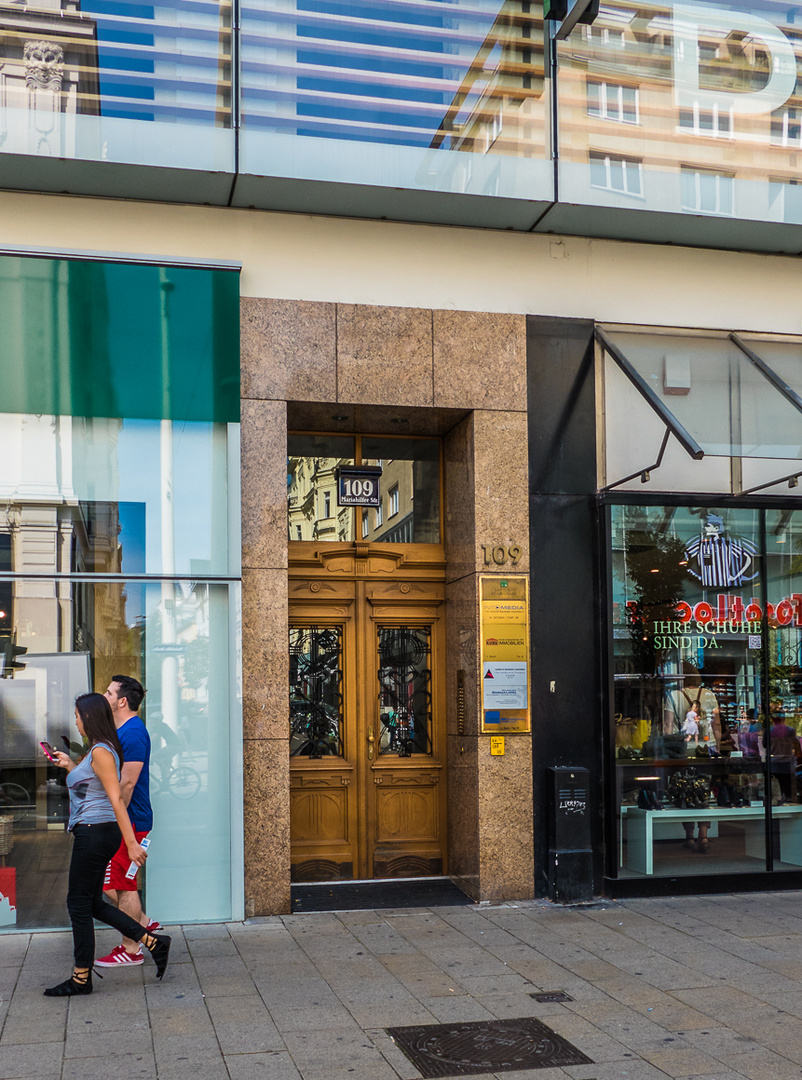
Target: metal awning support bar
[779, 384]
[792, 478]
[682, 436]
[644, 474]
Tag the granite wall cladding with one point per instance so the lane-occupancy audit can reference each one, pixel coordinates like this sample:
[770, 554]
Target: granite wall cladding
[300, 351]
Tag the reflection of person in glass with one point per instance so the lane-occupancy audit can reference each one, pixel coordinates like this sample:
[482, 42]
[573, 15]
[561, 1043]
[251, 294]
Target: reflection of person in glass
[784, 745]
[98, 821]
[690, 726]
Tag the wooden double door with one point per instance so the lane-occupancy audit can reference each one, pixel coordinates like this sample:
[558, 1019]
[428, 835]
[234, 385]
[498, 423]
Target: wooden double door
[367, 715]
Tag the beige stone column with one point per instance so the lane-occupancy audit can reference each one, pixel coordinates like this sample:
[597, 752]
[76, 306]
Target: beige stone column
[264, 657]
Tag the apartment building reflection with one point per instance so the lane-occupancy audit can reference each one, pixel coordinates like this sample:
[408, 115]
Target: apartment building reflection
[660, 107]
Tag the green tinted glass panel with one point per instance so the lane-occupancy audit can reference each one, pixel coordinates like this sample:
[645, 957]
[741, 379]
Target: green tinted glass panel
[101, 339]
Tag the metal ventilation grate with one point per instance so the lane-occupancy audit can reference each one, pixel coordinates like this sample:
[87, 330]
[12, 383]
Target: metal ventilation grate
[485, 1046]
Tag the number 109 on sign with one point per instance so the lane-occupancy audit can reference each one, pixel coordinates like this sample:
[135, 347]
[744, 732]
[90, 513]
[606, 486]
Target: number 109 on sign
[358, 488]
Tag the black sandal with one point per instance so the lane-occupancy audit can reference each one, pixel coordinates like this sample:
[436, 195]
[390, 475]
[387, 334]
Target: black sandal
[76, 985]
[159, 950]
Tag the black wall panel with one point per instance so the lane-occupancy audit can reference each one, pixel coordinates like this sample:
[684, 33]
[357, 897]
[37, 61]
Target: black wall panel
[566, 616]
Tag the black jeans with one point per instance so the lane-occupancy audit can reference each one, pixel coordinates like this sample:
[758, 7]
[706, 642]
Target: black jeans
[92, 849]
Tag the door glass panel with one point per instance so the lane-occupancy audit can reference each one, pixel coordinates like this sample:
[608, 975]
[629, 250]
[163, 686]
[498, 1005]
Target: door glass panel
[687, 670]
[784, 586]
[316, 699]
[405, 690]
[312, 510]
[409, 489]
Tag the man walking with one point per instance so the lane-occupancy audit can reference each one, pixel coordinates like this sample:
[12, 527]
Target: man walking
[125, 695]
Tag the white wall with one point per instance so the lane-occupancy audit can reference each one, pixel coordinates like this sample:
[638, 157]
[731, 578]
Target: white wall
[302, 257]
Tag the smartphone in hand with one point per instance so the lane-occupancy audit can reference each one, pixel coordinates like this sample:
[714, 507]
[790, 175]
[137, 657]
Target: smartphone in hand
[49, 751]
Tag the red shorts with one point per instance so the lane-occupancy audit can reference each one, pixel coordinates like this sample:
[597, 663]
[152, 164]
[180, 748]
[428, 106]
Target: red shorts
[118, 867]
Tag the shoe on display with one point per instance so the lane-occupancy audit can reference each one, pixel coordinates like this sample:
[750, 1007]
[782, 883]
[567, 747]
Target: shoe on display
[119, 957]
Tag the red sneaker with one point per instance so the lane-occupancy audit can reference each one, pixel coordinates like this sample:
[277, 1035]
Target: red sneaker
[118, 957]
[153, 926]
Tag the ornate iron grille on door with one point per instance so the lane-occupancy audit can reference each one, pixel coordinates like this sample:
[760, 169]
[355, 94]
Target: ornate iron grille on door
[405, 690]
[316, 699]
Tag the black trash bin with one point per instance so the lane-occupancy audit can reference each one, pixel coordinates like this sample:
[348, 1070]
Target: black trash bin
[570, 855]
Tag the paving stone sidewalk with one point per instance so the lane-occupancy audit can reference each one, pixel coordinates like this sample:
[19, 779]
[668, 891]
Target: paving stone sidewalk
[693, 987]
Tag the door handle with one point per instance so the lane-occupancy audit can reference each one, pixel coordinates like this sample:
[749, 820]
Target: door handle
[371, 741]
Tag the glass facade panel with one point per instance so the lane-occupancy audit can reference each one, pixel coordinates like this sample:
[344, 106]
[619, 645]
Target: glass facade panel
[114, 496]
[677, 87]
[115, 426]
[62, 638]
[687, 674]
[726, 404]
[426, 96]
[121, 82]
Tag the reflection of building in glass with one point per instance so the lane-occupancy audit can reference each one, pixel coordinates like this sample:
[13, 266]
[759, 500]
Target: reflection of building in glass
[46, 529]
[48, 74]
[708, 99]
[312, 499]
[393, 523]
[501, 106]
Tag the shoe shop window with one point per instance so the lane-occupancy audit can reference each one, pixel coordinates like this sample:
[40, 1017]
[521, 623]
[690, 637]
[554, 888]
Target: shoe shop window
[706, 612]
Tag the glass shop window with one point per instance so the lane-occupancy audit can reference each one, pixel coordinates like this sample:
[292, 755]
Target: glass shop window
[59, 639]
[706, 722]
[409, 489]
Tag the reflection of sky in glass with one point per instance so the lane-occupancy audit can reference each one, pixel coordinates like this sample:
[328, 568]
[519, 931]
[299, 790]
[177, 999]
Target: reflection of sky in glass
[380, 72]
[139, 462]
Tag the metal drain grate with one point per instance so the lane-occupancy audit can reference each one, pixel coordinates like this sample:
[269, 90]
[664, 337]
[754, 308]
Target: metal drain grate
[485, 1046]
[552, 995]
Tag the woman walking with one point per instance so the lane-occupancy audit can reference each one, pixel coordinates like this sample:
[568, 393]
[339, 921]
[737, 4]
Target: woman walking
[98, 820]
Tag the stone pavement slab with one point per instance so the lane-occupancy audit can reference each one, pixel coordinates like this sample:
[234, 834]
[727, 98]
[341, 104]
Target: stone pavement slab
[695, 988]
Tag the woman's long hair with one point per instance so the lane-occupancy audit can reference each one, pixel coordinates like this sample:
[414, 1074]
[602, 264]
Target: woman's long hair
[96, 717]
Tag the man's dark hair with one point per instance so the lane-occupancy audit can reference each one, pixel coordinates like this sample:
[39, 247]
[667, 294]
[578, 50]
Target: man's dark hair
[131, 689]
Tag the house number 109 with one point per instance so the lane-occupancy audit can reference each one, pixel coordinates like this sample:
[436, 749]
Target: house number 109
[499, 555]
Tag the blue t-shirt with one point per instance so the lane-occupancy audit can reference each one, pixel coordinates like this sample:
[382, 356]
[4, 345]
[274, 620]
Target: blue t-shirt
[135, 741]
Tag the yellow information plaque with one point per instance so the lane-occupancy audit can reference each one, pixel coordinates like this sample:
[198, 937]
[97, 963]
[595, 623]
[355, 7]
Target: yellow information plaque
[504, 630]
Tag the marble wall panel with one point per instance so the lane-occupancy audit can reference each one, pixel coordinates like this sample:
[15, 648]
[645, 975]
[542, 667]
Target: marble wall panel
[265, 660]
[462, 651]
[288, 350]
[460, 501]
[264, 484]
[501, 487]
[506, 844]
[384, 355]
[463, 814]
[266, 765]
[479, 360]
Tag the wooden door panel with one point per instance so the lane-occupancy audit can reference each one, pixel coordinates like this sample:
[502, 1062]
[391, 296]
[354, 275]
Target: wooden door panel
[406, 814]
[322, 816]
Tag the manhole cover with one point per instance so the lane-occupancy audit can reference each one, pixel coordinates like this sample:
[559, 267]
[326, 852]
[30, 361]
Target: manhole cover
[485, 1046]
[552, 995]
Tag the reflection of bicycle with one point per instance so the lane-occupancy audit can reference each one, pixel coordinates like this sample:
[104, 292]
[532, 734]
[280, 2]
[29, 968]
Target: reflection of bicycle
[14, 800]
[183, 782]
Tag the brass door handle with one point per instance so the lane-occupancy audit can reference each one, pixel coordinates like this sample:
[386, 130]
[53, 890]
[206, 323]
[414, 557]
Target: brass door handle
[371, 741]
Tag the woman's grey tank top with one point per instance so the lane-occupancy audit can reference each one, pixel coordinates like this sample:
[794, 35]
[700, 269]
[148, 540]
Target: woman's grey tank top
[89, 803]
